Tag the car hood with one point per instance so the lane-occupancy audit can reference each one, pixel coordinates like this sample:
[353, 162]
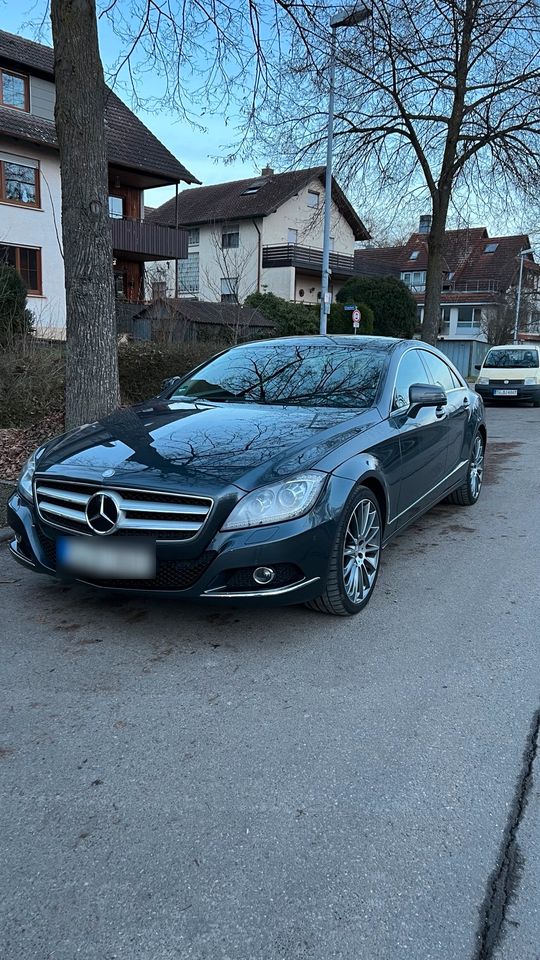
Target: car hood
[201, 444]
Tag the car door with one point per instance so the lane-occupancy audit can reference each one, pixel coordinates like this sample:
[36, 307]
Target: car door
[457, 408]
[423, 439]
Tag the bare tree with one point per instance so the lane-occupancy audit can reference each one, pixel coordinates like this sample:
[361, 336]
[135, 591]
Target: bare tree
[436, 100]
[92, 387]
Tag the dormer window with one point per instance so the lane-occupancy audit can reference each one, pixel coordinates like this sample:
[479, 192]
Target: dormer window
[14, 90]
[414, 255]
[254, 187]
[490, 247]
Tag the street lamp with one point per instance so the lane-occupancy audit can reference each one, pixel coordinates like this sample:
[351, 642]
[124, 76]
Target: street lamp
[348, 17]
[522, 255]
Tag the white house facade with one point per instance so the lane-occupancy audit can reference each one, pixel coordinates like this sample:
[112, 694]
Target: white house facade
[260, 235]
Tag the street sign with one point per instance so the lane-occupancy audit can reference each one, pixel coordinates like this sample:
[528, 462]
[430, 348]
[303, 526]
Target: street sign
[356, 317]
[350, 306]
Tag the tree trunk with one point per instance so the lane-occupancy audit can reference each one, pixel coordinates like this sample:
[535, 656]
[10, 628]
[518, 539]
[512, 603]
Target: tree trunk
[432, 295]
[92, 388]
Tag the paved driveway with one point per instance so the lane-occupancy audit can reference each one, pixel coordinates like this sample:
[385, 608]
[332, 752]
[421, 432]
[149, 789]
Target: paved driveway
[187, 782]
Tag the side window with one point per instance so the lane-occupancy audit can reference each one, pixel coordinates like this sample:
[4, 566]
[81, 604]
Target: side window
[440, 371]
[411, 370]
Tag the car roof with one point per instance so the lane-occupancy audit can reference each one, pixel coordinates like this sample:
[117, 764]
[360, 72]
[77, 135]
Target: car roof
[380, 343]
[514, 346]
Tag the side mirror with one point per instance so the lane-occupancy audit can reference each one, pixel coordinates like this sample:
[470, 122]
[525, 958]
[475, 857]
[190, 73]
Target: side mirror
[478, 366]
[169, 383]
[425, 395]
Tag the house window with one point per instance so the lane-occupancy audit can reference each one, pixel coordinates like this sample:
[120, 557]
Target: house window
[229, 289]
[230, 236]
[415, 280]
[469, 317]
[313, 199]
[19, 180]
[188, 273]
[292, 235]
[490, 247]
[414, 255]
[193, 237]
[14, 90]
[27, 262]
[116, 207]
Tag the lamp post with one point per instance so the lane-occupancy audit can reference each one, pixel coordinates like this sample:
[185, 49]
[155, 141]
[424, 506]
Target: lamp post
[349, 17]
[522, 255]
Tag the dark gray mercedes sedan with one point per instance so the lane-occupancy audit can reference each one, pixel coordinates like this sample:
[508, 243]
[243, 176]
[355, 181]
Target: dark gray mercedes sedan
[276, 473]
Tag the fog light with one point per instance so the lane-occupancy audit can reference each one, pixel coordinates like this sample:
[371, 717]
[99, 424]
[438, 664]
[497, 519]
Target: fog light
[263, 575]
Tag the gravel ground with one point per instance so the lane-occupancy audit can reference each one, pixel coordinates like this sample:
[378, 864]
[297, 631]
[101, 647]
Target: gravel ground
[193, 782]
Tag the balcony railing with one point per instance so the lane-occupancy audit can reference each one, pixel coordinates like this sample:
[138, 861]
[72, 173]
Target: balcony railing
[308, 259]
[472, 286]
[147, 240]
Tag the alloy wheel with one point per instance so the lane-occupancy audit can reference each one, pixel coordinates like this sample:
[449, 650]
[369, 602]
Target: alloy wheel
[476, 469]
[361, 551]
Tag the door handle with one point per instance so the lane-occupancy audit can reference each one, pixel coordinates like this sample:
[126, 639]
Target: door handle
[440, 413]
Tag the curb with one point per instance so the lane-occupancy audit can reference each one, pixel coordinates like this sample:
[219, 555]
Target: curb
[6, 533]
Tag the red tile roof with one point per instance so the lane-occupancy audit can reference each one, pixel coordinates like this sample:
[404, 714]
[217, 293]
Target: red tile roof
[477, 273]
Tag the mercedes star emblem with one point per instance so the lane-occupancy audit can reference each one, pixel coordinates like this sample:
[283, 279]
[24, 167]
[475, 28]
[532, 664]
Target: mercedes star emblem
[103, 513]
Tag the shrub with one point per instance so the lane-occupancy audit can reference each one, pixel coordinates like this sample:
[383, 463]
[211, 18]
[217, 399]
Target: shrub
[31, 382]
[392, 303]
[290, 319]
[15, 318]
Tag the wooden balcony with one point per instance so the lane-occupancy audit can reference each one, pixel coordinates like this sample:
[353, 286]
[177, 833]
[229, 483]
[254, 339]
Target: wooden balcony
[307, 259]
[144, 240]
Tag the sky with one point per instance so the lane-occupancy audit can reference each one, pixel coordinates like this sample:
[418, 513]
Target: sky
[198, 150]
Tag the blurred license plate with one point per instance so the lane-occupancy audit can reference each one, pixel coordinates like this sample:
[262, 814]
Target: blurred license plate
[132, 560]
[505, 393]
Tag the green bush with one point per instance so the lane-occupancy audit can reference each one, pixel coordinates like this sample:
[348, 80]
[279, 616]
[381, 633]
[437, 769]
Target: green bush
[31, 382]
[290, 319]
[15, 318]
[393, 305]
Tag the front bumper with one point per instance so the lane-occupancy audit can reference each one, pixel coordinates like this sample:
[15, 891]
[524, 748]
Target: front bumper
[298, 550]
[527, 393]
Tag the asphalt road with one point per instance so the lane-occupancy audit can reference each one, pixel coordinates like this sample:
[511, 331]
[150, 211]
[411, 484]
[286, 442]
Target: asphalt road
[189, 782]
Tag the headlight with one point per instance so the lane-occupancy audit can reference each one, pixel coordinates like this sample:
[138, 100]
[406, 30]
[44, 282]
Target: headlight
[529, 381]
[279, 501]
[27, 475]
[483, 380]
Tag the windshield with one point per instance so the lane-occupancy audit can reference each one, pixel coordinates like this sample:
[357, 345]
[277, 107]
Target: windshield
[511, 358]
[324, 375]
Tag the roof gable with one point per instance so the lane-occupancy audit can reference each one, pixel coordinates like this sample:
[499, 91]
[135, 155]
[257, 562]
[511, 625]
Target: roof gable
[252, 197]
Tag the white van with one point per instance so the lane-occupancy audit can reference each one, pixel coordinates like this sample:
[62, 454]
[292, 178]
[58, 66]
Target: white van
[511, 373]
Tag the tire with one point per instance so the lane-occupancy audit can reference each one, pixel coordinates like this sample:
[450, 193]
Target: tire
[536, 403]
[355, 558]
[467, 494]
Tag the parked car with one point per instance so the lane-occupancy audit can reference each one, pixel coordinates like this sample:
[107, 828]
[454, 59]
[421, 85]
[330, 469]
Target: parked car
[276, 472]
[510, 372]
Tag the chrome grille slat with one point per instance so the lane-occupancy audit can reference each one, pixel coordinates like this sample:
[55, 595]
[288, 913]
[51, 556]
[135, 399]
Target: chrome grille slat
[62, 504]
[60, 510]
[186, 526]
[70, 495]
[144, 506]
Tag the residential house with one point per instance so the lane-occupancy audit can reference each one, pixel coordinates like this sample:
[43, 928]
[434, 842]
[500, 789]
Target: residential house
[480, 276]
[263, 234]
[30, 190]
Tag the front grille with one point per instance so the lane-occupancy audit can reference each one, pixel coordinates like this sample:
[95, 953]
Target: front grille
[165, 516]
[509, 383]
[170, 574]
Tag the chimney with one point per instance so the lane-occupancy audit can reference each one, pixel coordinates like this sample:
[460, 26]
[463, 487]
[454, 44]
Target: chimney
[425, 224]
[267, 172]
